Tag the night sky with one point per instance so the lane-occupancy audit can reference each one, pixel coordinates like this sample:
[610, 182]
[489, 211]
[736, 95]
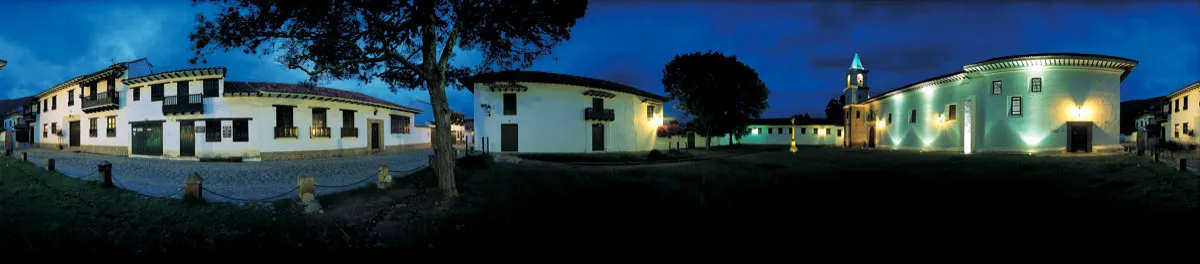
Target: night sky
[800, 49]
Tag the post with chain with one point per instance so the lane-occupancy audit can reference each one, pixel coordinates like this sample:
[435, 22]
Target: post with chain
[305, 187]
[1182, 164]
[105, 172]
[193, 188]
[25, 156]
[432, 162]
[50, 164]
[385, 179]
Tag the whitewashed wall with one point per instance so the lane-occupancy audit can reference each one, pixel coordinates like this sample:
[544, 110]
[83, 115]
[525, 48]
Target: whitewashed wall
[805, 135]
[1041, 127]
[550, 120]
[65, 112]
[1188, 113]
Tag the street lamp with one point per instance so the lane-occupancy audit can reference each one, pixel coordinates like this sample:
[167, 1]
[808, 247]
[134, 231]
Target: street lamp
[793, 132]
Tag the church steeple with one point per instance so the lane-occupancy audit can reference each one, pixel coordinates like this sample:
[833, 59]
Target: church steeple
[856, 82]
[856, 64]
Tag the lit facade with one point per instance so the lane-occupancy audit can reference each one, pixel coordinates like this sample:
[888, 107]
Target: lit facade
[1183, 113]
[779, 131]
[1026, 103]
[540, 112]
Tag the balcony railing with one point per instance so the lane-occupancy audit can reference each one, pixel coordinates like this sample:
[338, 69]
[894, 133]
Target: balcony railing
[598, 114]
[318, 132]
[285, 132]
[192, 103]
[101, 101]
[349, 132]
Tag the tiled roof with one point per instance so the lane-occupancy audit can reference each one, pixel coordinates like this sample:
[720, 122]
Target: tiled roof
[262, 88]
[175, 74]
[557, 78]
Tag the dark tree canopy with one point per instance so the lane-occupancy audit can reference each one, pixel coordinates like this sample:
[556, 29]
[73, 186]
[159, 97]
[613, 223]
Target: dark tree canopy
[721, 93]
[405, 44]
[833, 110]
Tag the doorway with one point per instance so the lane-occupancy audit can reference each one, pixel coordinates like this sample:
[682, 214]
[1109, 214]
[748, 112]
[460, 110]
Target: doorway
[187, 138]
[1079, 136]
[508, 137]
[147, 139]
[597, 137]
[74, 130]
[374, 134]
[691, 140]
[871, 137]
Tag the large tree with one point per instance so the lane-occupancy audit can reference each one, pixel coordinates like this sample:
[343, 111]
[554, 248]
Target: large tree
[719, 92]
[833, 110]
[406, 44]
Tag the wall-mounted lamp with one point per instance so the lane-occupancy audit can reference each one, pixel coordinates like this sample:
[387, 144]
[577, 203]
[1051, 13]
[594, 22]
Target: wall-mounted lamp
[1080, 113]
[376, 111]
[486, 108]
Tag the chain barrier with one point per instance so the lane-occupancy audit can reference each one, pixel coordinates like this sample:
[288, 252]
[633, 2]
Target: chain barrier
[423, 166]
[251, 200]
[122, 186]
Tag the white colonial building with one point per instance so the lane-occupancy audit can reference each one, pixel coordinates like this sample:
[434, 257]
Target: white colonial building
[128, 110]
[540, 112]
[1025, 103]
[778, 131]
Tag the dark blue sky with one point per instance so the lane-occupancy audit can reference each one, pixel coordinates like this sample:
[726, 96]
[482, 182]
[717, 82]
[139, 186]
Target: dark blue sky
[799, 48]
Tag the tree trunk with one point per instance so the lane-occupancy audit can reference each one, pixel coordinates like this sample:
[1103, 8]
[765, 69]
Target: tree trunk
[443, 146]
[707, 139]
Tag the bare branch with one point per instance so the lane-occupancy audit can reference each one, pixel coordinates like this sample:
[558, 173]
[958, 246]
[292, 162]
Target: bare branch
[448, 49]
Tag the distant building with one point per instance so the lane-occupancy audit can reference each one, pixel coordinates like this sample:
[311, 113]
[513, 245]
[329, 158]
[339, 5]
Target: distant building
[190, 114]
[778, 131]
[1181, 117]
[1025, 103]
[541, 112]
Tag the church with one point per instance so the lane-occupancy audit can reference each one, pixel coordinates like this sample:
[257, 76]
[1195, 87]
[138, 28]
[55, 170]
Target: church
[1052, 102]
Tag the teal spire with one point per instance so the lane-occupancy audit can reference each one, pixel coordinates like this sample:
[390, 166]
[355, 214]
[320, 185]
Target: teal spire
[856, 64]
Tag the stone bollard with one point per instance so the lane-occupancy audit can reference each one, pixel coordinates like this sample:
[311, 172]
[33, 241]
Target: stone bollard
[25, 156]
[104, 170]
[193, 188]
[50, 164]
[385, 179]
[1182, 164]
[306, 186]
[432, 162]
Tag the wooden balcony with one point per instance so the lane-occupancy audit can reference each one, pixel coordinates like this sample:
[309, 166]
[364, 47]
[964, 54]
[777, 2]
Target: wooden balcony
[191, 104]
[318, 132]
[109, 100]
[598, 114]
[349, 132]
[286, 132]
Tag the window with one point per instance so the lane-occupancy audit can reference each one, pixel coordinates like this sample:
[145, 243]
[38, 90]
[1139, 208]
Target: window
[913, 117]
[111, 131]
[597, 104]
[828, 131]
[348, 118]
[320, 128]
[241, 130]
[650, 111]
[212, 88]
[1176, 131]
[839, 132]
[1185, 128]
[45, 105]
[769, 130]
[212, 130]
[510, 104]
[952, 112]
[54, 102]
[1185, 103]
[92, 128]
[1176, 105]
[71, 98]
[1035, 85]
[46, 131]
[400, 124]
[889, 119]
[1015, 105]
[791, 131]
[996, 87]
[156, 92]
[803, 130]
[137, 93]
[857, 114]
[54, 128]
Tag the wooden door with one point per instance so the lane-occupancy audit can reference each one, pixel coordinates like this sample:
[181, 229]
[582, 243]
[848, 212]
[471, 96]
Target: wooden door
[147, 139]
[597, 137]
[187, 138]
[508, 137]
[374, 133]
[74, 130]
[1079, 136]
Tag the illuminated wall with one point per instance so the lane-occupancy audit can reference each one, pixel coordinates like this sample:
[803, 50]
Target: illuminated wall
[1072, 89]
[1186, 113]
[831, 135]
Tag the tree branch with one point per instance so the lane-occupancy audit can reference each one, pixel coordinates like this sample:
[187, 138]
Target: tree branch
[447, 50]
[406, 63]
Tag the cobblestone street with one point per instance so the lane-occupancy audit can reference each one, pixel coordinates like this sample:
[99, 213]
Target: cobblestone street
[258, 180]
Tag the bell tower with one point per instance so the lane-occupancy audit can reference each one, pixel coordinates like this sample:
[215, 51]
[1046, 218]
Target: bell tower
[856, 89]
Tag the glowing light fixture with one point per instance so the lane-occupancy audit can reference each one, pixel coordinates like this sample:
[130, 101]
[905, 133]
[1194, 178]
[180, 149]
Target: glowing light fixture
[793, 148]
[880, 124]
[656, 121]
[754, 131]
[1080, 113]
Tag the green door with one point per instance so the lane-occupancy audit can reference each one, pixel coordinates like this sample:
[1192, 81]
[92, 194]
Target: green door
[147, 139]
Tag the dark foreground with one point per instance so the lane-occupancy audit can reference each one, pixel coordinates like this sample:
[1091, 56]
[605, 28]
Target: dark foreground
[818, 198]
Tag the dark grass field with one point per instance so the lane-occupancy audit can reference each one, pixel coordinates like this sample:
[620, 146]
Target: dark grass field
[814, 200]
